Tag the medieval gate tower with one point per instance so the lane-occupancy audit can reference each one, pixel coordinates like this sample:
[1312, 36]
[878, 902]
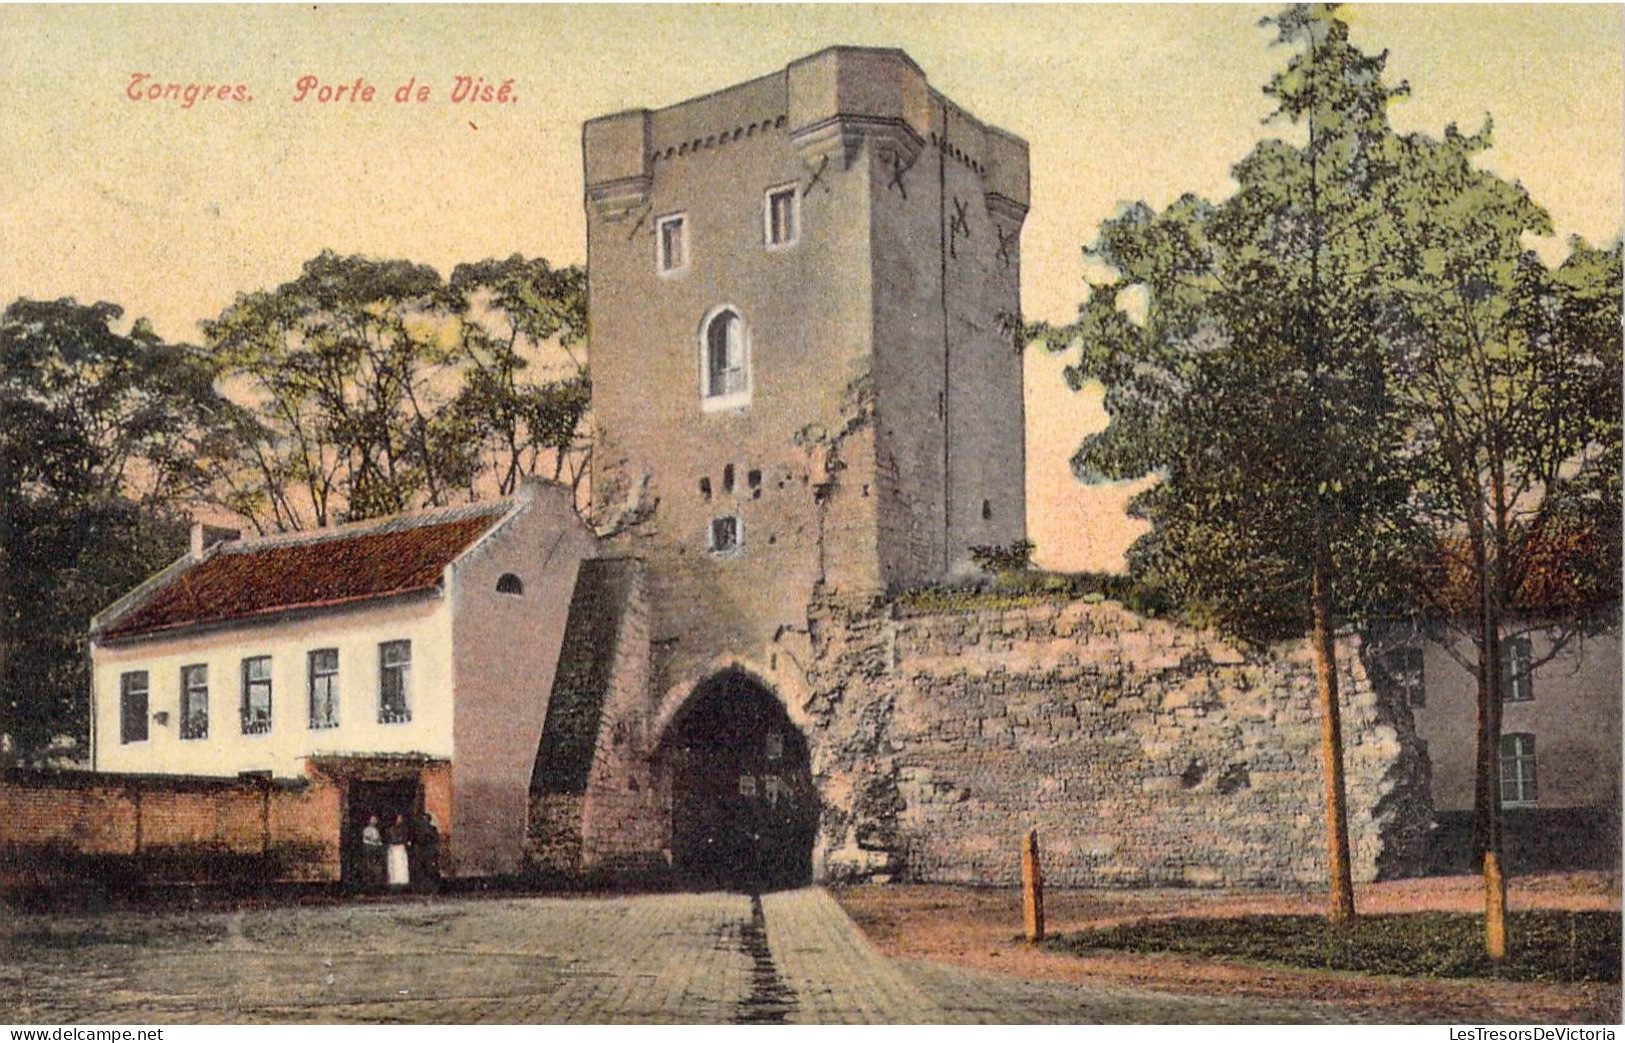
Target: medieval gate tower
[803, 376]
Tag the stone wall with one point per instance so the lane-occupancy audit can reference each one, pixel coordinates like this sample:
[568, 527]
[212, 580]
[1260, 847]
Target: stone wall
[1146, 754]
[596, 801]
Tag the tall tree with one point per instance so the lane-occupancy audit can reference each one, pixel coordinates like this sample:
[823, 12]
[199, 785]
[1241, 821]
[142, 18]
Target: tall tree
[1510, 373]
[348, 370]
[375, 386]
[107, 436]
[1241, 364]
[526, 389]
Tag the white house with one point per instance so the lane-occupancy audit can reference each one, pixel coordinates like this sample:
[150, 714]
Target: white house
[408, 658]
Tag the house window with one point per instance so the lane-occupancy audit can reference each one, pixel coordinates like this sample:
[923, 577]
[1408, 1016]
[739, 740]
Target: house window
[1518, 768]
[781, 216]
[394, 682]
[324, 688]
[256, 710]
[1405, 667]
[727, 534]
[195, 702]
[1517, 678]
[132, 706]
[510, 584]
[671, 243]
[725, 363]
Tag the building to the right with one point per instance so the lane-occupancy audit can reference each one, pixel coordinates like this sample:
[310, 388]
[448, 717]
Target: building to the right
[1559, 760]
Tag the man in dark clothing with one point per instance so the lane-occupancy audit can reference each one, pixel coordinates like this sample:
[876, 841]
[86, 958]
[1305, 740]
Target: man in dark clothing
[425, 852]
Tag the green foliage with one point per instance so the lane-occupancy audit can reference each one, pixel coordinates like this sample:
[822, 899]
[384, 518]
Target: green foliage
[1509, 373]
[1033, 587]
[375, 386]
[1252, 384]
[106, 435]
[510, 311]
[1011, 557]
[1509, 376]
[1550, 946]
[346, 375]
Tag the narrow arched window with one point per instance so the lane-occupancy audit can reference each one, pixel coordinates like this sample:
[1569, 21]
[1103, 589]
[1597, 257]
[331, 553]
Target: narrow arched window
[510, 584]
[725, 362]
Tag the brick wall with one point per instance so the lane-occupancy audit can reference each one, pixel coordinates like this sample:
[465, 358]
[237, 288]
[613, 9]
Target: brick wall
[61, 827]
[1144, 753]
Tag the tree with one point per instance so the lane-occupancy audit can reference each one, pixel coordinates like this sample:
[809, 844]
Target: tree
[374, 386]
[1251, 380]
[1510, 374]
[527, 415]
[347, 372]
[107, 436]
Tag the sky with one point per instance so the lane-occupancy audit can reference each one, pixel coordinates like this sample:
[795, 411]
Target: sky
[170, 209]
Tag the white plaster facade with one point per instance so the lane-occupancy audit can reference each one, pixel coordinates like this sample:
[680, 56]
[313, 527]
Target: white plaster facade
[355, 633]
[536, 537]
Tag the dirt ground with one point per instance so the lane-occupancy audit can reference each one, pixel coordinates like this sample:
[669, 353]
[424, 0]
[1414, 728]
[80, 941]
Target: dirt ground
[981, 929]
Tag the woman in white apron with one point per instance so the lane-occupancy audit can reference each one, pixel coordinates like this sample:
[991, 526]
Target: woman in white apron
[400, 874]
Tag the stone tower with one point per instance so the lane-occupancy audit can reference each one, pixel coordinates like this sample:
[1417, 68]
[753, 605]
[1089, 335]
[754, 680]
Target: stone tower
[798, 295]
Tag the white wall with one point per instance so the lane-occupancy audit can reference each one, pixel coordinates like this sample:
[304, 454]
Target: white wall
[356, 633]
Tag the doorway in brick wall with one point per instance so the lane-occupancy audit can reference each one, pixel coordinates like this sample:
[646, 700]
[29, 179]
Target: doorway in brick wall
[386, 799]
[744, 808]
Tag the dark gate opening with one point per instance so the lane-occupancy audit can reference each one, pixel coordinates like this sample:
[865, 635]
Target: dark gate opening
[744, 809]
[385, 799]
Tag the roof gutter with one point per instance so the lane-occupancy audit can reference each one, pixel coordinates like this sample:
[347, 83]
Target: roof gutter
[272, 616]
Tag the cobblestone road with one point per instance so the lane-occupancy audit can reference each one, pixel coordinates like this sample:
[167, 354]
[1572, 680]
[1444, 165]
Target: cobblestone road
[699, 958]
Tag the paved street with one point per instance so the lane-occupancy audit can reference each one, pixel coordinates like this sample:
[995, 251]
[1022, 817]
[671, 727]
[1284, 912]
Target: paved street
[789, 957]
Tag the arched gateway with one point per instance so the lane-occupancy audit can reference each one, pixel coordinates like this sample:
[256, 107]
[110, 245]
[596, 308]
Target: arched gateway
[743, 805]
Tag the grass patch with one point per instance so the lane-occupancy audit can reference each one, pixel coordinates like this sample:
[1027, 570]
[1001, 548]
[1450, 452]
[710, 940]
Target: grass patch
[1544, 946]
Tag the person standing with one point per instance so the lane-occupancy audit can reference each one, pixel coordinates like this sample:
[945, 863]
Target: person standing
[425, 853]
[373, 872]
[400, 874]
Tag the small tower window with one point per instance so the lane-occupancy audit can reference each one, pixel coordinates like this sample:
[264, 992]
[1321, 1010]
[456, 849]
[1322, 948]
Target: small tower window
[728, 478]
[754, 480]
[724, 360]
[987, 510]
[671, 243]
[727, 534]
[510, 584]
[781, 216]
[1517, 670]
[705, 489]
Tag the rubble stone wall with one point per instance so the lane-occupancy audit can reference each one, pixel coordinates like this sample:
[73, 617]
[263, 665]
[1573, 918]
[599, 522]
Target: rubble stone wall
[1144, 753]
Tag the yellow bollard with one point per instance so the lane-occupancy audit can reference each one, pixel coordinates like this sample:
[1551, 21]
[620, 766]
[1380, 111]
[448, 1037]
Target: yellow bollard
[1495, 907]
[1032, 887]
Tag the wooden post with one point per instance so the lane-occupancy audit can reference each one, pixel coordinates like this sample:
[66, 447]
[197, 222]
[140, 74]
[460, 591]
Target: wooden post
[1032, 887]
[1495, 907]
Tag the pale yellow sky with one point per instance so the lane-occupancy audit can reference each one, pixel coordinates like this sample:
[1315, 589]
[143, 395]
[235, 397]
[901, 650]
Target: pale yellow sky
[169, 211]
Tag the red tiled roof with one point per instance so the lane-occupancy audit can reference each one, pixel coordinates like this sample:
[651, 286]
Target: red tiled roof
[1567, 571]
[264, 577]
